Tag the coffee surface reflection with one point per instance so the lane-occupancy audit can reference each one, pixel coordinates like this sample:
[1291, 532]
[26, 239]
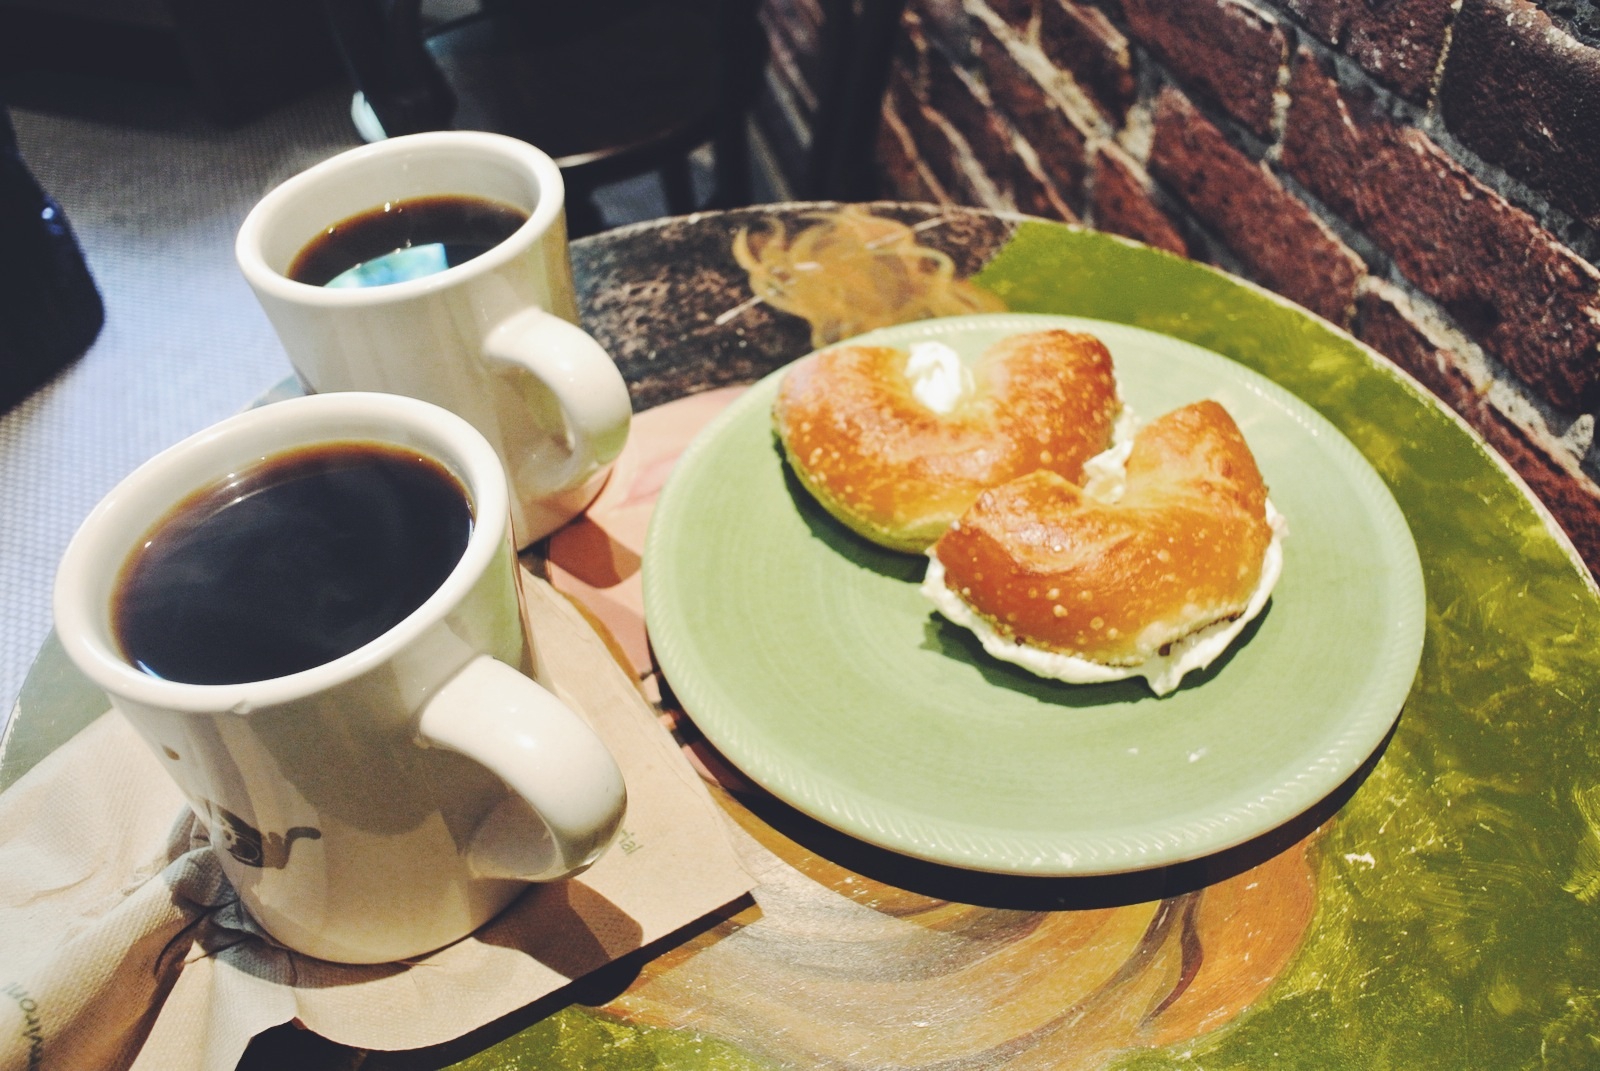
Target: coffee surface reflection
[290, 564]
[403, 240]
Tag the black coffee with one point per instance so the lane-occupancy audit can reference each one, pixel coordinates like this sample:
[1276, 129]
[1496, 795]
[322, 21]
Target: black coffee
[291, 564]
[404, 240]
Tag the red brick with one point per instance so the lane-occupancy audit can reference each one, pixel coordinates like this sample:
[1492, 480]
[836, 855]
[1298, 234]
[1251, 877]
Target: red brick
[1035, 194]
[1122, 203]
[946, 24]
[1230, 52]
[783, 63]
[1525, 95]
[807, 11]
[794, 54]
[1278, 239]
[1508, 283]
[1016, 13]
[799, 25]
[902, 91]
[1059, 142]
[897, 166]
[1571, 497]
[1083, 42]
[933, 147]
[949, 94]
[1324, 18]
[952, 95]
[911, 50]
[1391, 330]
[1398, 42]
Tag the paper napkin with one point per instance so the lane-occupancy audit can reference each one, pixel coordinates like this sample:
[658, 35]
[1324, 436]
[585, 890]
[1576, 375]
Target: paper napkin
[123, 946]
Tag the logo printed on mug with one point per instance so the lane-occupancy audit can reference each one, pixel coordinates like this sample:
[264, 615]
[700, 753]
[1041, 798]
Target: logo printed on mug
[247, 844]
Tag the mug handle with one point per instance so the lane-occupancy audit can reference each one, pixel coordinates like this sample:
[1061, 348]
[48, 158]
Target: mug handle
[585, 385]
[546, 754]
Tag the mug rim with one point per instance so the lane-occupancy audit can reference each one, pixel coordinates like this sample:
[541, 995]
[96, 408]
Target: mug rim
[112, 530]
[263, 214]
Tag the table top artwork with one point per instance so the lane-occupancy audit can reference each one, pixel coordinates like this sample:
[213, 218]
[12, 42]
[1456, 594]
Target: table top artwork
[1438, 909]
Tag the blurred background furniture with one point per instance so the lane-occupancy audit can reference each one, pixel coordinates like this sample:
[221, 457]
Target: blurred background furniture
[242, 59]
[785, 95]
[609, 89]
[854, 49]
[50, 311]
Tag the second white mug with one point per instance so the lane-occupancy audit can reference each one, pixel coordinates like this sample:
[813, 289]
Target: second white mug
[494, 338]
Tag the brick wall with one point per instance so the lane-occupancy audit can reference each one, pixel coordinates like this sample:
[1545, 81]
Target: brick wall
[786, 108]
[1423, 173]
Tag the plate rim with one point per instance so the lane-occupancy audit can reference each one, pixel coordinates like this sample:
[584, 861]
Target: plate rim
[822, 798]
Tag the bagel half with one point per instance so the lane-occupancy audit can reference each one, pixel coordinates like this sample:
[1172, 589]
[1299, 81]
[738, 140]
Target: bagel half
[1151, 571]
[898, 470]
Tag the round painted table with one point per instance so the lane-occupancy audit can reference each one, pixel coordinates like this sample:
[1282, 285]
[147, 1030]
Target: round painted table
[1439, 909]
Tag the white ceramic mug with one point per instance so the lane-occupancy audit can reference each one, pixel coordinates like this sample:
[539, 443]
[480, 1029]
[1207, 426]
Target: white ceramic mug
[493, 339]
[387, 802]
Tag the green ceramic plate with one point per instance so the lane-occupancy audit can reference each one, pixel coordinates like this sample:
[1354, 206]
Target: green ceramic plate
[808, 657]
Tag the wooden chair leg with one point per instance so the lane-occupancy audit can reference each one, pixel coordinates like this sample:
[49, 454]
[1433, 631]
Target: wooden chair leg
[734, 188]
[678, 185]
[583, 218]
[383, 48]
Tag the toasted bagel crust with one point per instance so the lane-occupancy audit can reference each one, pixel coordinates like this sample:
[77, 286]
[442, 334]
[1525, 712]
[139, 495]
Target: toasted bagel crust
[898, 472]
[1050, 566]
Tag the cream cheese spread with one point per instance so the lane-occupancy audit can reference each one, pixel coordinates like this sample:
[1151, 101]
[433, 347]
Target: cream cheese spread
[938, 378]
